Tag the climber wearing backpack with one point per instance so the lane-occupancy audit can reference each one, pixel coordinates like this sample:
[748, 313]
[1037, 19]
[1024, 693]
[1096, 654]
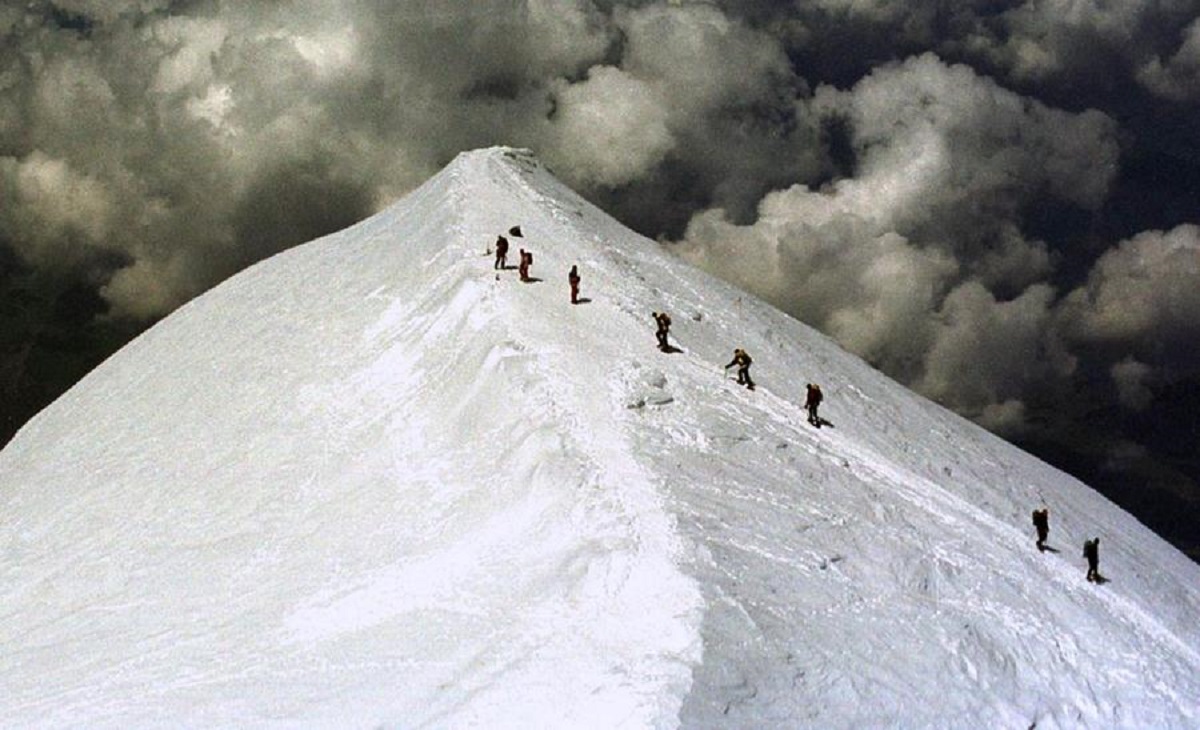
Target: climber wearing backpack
[742, 360]
[526, 262]
[812, 401]
[662, 322]
[1041, 522]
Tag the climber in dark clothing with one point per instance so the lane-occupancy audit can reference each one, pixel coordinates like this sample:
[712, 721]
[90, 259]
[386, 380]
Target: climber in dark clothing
[1091, 551]
[742, 360]
[501, 252]
[526, 262]
[662, 321]
[812, 401]
[573, 280]
[1041, 521]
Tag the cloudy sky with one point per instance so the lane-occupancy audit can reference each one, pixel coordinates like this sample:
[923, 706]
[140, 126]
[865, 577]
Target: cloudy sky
[997, 202]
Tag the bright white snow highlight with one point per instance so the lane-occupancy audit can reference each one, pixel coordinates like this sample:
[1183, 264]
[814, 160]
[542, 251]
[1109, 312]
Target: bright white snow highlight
[371, 482]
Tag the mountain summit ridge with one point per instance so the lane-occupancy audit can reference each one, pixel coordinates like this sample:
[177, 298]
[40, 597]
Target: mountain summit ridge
[374, 481]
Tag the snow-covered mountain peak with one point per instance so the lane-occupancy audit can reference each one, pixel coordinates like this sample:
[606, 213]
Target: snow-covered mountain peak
[376, 480]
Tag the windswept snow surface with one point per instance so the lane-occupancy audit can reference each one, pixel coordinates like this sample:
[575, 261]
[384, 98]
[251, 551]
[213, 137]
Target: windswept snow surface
[373, 482]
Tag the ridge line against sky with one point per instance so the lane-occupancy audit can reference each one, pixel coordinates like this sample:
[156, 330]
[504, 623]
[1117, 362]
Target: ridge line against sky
[996, 204]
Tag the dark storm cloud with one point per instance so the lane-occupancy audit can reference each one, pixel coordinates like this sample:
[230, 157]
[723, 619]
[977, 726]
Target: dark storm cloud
[1070, 43]
[918, 262]
[1175, 74]
[1142, 303]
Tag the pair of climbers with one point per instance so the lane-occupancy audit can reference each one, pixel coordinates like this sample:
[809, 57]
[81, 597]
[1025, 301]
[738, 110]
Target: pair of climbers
[1091, 548]
[741, 359]
[524, 259]
[813, 395]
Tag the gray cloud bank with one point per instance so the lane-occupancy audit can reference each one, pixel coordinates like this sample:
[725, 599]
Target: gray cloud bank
[882, 170]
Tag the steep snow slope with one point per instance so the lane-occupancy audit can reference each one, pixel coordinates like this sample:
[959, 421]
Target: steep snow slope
[371, 481]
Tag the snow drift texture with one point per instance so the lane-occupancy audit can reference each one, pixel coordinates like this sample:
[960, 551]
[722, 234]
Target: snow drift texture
[371, 481]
